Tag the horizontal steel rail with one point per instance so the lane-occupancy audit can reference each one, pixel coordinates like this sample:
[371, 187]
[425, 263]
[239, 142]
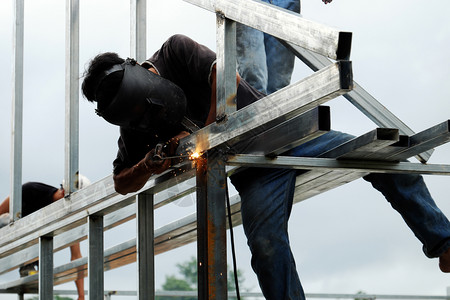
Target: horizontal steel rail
[109, 293]
[310, 163]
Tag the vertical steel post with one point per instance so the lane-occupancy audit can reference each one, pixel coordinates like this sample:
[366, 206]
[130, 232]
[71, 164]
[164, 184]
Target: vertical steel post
[15, 200]
[46, 267]
[95, 260]
[211, 231]
[226, 67]
[72, 94]
[138, 26]
[145, 246]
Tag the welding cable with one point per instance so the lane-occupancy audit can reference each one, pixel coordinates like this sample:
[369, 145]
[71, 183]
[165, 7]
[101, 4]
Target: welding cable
[233, 252]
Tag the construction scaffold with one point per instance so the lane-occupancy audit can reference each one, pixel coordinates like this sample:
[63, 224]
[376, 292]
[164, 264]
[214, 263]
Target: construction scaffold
[87, 213]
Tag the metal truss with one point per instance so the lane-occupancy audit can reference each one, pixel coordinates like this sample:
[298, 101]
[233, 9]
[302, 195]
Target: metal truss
[255, 136]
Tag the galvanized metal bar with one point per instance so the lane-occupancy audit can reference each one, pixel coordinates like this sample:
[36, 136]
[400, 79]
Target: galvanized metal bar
[72, 94]
[365, 144]
[138, 29]
[273, 109]
[289, 134]
[260, 295]
[46, 267]
[311, 163]
[145, 247]
[283, 24]
[359, 97]
[15, 200]
[225, 67]
[427, 139]
[390, 151]
[95, 257]
[211, 233]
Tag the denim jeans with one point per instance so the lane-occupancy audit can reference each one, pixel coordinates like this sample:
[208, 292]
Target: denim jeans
[266, 203]
[263, 61]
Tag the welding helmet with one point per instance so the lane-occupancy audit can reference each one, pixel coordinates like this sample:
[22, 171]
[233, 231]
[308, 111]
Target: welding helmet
[144, 101]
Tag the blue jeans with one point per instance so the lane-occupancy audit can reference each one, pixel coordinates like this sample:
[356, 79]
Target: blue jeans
[263, 61]
[266, 203]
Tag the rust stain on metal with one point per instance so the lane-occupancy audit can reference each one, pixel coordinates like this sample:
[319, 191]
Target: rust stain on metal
[211, 254]
[231, 100]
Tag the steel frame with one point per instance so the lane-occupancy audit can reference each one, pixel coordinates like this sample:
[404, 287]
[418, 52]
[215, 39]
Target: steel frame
[15, 202]
[88, 212]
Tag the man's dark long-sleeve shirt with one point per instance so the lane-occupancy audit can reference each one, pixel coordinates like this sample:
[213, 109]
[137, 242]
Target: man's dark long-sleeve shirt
[187, 64]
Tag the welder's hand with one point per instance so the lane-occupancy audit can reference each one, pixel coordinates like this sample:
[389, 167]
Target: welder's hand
[172, 145]
[326, 1]
[155, 165]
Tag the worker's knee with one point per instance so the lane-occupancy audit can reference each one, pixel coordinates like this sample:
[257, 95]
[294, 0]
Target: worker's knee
[268, 246]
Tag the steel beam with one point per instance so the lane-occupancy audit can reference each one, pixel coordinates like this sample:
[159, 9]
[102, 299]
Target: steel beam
[145, 247]
[272, 110]
[225, 67]
[138, 29]
[364, 145]
[288, 134]
[72, 94]
[359, 97]
[387, 153]
[211, 234]
[95, 257]
[46, 267]
[311, 163]
[15, 200]
[427, 139]
[283, 24]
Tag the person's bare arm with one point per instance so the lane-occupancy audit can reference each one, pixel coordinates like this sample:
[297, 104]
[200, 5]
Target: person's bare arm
[132, 179]
[75, 253]
[4, 206]
[212, 111]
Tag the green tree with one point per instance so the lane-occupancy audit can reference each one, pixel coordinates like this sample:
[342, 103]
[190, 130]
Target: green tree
[361, 295]
[188, 279]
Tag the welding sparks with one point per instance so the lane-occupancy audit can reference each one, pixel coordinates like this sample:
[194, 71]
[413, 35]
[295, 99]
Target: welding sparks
[194, 155]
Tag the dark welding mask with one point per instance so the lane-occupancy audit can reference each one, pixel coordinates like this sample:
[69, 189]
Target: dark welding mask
[144, 101]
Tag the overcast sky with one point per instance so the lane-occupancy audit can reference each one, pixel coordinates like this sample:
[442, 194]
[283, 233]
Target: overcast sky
[344, 241]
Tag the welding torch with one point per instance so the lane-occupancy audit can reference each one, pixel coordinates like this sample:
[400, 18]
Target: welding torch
[159, 152]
